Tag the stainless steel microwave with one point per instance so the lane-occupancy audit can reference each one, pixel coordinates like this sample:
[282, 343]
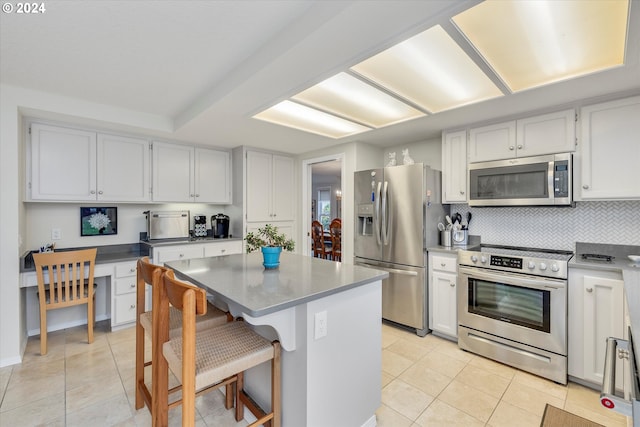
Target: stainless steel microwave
[527, 181]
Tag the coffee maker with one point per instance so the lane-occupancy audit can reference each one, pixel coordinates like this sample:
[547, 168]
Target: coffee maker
[199, 226]
[220, 225]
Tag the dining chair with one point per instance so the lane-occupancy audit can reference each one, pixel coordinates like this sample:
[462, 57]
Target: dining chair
[335, 228]
[320, 248]
[207, 359]
[149, 274]
[65, 278]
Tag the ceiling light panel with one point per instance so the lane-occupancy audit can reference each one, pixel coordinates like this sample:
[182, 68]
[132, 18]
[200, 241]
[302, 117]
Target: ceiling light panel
[350, 97]
[298, 116]
[431, 71]
[532, 43]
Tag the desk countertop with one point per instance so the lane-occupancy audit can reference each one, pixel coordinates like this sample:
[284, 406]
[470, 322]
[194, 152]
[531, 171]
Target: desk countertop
[243, 280]
[106, 254]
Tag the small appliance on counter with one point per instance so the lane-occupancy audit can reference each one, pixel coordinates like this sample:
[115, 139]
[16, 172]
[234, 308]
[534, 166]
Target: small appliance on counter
[167, 224]
[220, 225]
[199, 226]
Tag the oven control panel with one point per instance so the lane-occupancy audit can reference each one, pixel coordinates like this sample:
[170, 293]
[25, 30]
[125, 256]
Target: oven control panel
[505, 261]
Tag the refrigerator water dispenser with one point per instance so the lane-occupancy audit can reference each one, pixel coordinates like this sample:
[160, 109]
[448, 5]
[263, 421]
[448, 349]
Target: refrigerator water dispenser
[365, 219]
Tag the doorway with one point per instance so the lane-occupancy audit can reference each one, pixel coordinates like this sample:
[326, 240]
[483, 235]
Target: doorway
[323, 180]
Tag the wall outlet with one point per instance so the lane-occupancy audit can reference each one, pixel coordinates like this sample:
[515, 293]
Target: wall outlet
[56, 234]
[320, 325]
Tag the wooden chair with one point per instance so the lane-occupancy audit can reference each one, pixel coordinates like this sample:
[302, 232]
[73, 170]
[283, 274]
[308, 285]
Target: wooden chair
[151, 274]
[216, 356]
[336, 239]
[320, 249]
[65, 279]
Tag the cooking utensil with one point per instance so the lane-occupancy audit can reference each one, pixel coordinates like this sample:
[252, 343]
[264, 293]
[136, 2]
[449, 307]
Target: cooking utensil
[440, 226]
[449, 222]
[468, 218]
[458, 218]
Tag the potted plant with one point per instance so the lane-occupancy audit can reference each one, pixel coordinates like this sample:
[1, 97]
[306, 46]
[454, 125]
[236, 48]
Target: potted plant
[271, 243]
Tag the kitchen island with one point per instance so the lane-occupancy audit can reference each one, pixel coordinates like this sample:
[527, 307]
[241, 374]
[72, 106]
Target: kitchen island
[327, 316]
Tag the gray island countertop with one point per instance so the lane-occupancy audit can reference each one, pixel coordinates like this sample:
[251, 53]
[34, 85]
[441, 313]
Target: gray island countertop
[243, 280]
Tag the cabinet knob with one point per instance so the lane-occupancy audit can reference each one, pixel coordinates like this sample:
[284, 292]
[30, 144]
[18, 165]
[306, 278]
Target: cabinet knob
[192, 195]
[511, 147]
[520, 147]
[197, 195]
[132, 306]
[181, 255]
[93, 191]
[223, 251]
[589, 290]
[443, 264]
[461, 192]
[132, 270]
[586, 187]
[100, 192]
[133, 285]
[453, 285]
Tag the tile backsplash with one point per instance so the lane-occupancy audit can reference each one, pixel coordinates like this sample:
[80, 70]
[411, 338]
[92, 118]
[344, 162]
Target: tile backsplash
[613, 222]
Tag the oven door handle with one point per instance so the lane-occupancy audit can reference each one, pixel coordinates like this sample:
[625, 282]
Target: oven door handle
[616, 349]
[541, 283]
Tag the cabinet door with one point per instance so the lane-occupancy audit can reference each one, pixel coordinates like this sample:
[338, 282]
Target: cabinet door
[546, 134]
[259, 186]
[285, 227]
[493, 142]
[603, 318]
[212, 176]
[172, 172]
[283, 189]
[610, 153]
[124, 310]
[444, 308]
[63, 163]
[454, 165]
[123, 169]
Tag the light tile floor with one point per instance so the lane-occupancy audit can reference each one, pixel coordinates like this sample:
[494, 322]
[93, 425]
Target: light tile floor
[426, 382]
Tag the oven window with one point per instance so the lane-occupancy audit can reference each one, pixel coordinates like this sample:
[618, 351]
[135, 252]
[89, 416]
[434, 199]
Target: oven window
[508, 303]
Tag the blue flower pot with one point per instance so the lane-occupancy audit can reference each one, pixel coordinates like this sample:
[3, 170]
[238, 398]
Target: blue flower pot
[271, 256]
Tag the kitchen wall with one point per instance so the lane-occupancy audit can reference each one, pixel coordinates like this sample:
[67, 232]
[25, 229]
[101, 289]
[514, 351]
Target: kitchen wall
[42, 217]
[614, 222]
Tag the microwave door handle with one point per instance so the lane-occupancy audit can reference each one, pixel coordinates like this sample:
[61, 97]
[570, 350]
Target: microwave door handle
[376, 206]
[551, 180]
[615, 349]
[533, 283]
[385, 213]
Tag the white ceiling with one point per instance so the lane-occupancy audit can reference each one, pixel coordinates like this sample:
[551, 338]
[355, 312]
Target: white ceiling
[208, 66]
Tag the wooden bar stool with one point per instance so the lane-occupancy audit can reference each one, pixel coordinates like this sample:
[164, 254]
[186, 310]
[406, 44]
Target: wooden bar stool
[215, 356]
[151, 274]
[63, 282]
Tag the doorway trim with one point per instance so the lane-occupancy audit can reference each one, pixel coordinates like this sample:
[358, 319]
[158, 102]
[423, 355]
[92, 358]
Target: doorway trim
[307, 194]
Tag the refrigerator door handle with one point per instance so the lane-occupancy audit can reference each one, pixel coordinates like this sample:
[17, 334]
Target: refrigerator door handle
[385, 218]
[376, 206]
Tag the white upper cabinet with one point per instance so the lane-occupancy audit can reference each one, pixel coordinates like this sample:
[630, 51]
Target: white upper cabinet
[609, 154]
[454, 165]
[269, 187]
[76, 165]
[123, 169]
[183, 173]
[532, 136]
[493, 142]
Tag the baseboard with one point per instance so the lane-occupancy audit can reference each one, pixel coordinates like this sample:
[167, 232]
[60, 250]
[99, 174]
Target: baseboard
[66, 325]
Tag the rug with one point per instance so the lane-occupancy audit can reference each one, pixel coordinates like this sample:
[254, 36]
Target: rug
[556, 417]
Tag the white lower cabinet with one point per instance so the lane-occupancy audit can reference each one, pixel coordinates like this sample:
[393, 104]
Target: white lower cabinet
[595, 312]
[178, 252]
[123, 293]
[443, 274]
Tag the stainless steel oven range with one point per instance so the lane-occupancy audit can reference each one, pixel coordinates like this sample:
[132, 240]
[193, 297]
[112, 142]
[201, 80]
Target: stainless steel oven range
[512, 307]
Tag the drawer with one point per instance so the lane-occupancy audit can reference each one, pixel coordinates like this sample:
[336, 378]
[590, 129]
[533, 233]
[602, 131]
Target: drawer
[124, 310]
[125, 285]
[125, 269]
[223, 248]
[445, 263]
[177, 253]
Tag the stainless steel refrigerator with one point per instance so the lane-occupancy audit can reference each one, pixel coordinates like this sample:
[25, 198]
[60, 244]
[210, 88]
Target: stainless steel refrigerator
[397, 210]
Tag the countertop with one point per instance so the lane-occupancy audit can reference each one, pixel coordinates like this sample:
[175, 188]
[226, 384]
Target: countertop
[474, 242]
[620, 261]
[106, 254]
[187, 241]
[243, 280]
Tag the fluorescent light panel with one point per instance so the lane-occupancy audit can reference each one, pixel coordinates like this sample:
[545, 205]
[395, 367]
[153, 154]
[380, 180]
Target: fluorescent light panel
[430, 70]
[298, 116]
[532, 43]
[354, 99]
